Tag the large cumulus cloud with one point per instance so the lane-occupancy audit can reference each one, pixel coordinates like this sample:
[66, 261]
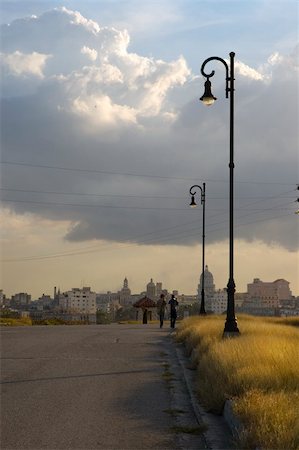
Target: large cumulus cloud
[121, 137]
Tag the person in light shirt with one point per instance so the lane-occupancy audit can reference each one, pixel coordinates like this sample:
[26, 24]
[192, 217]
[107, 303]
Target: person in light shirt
[161, 305]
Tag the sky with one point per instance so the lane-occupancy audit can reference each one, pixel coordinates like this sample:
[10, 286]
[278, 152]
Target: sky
[103, 134]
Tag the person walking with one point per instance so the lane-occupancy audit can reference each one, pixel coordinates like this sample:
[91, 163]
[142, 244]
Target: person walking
[161, 305]
[173, 312]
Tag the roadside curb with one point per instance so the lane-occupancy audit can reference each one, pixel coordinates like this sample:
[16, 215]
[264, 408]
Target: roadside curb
[220, 429]
[230, 418]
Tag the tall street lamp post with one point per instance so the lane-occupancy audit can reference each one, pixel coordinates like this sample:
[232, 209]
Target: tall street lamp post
[193, 204]
[231, 327]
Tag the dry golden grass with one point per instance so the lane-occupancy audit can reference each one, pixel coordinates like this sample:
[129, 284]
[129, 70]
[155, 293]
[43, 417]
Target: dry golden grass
[270, 419]
[256, 369]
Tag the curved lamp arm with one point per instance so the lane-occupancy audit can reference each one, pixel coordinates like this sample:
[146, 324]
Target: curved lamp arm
[193, 192]
[211, 74]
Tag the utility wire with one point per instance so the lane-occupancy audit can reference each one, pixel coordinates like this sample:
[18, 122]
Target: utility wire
[32, 191]
[91, 206]
[145, 242]
[44, 166]
[126, 207]
[128, 239]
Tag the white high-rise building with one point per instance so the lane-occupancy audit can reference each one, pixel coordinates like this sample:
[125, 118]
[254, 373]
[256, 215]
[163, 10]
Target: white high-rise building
[219, 301]
[77, 300]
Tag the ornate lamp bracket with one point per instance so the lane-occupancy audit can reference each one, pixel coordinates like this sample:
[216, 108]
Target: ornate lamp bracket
[228, 87]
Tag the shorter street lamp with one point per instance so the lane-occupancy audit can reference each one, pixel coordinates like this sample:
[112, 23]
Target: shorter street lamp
[193, 205]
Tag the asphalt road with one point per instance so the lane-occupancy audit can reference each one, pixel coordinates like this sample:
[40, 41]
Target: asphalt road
[92, 387]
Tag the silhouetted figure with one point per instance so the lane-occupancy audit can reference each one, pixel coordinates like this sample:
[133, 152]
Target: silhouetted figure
[161, 305]
[144, 319]
[173, 313]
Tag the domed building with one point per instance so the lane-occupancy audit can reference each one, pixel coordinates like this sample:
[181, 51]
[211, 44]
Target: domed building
[209, 288]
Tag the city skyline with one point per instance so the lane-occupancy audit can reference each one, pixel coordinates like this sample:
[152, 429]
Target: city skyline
[111, 135]
[56, 290]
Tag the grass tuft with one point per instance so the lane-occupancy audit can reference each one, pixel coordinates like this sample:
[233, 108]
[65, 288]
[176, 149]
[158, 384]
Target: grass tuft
[189, 430]
[174, 412]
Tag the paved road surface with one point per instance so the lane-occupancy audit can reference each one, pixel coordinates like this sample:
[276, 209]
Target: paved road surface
[106, 387]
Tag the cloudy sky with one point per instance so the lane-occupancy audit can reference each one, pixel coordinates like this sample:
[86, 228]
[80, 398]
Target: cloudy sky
[103, 135]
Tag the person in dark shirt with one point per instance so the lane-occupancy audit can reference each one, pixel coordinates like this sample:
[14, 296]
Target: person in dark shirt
[173, 312]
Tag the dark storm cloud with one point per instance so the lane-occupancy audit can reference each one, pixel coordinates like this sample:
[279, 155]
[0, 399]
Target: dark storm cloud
[122, 138]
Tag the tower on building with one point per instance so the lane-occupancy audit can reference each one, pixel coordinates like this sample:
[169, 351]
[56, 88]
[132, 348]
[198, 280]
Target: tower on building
[125, 294]
[151, 290]
[126, 285]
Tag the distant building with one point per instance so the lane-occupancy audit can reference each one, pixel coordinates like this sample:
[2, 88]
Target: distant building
[103, 302]
[125, 294]
[151, 290]
[158, 289]
[2, 298]
[270, 294]
[209, 288]
[56, 294]
[78, 301]
[240, 298]
[218, 303]
[45, 302]
[20, 300]
[187, 299]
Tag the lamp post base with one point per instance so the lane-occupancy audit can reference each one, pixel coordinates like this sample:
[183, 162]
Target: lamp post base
[230, 334]
[231, 329]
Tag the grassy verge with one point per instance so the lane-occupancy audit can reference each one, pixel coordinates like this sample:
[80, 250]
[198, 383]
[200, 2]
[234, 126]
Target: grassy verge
[10, 322]
[57, 321]
[25, 321]
[259, 370]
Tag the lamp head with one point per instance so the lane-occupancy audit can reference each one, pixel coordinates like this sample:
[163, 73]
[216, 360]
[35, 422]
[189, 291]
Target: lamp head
[193, 202]
[208, 98]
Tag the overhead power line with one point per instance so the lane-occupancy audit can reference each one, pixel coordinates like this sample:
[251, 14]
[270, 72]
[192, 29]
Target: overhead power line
[106, 172]
[91, 194]
[153, 240]
[131, 207]
[131, 174]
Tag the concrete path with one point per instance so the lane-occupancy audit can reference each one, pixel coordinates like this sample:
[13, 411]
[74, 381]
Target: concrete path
[109, 387]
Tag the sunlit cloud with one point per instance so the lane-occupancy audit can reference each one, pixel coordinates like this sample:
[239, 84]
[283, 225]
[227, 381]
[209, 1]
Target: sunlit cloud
[25, 64]
[90, 52]
[246, 71]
